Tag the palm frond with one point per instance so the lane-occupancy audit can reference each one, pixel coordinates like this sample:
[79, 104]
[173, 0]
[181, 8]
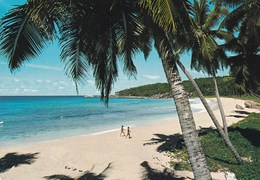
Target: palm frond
[215, 15]
[234, 18]
[46, 15]
[73, 53]
[222, 35]
[245, 71]
[21, 39]
[234, 46]
[232, 3]
[163, 13]
[128, 31]
[112, 71]
[201, 10]
[145, 37]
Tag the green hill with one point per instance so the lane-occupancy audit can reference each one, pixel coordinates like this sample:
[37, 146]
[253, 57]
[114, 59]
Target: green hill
[162, 90]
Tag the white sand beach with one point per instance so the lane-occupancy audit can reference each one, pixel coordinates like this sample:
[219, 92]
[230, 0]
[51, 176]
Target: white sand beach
[104, 156]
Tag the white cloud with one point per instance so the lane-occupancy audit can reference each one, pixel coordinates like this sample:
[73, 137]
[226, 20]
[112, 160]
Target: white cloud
[16, 80]
[152, 77]
[34, 90]
[64, 83]
[39, 81]
[61, 87]
[91, 82]
[44, 67]
[26, 90]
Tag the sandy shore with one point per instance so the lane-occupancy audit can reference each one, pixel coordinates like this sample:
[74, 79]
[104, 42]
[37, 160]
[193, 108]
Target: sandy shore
[103, 156]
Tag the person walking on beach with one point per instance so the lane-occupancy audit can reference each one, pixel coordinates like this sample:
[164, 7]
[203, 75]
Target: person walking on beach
[128, 133]
[122, 131]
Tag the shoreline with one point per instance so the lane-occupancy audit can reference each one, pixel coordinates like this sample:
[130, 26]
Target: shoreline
[7, 145]
[109, 131]
[80, 132]
[107, 154]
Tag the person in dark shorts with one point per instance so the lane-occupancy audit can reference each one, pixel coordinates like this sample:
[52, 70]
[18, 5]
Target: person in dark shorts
[122, 131]
[128, 133]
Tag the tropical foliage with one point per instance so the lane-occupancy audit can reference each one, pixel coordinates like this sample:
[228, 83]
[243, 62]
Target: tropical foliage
[242, 134]
[97, 34]
[245, 62]
[226, 87]
[92, 34]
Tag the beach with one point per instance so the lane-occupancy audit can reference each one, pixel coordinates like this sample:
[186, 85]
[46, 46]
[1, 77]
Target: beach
[105, 155]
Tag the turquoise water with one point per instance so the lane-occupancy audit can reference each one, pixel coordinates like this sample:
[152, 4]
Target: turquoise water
[26, 119]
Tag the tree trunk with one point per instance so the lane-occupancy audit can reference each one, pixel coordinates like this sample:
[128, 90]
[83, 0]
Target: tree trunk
[211, 114]
[196, 157]
[220, 106]
[190, 135]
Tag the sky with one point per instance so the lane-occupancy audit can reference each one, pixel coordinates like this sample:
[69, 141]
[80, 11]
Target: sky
[45, 74]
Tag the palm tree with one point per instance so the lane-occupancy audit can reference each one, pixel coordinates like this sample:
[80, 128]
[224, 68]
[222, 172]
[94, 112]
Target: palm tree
[108, 33]
[180, 97]
[244, 19]
[244, 64]
[96, 34]
[182, 40]
[206, 54]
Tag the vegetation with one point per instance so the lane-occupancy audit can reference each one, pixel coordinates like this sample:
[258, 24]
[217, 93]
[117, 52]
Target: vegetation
[226, 88]
[118, 30]
[245, 58]
[243, 135]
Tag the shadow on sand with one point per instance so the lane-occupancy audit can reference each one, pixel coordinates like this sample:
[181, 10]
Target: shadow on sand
[167, 143]
[153, 174]
[13, 160]
[240, 114]
[87, 175]
[173, 142]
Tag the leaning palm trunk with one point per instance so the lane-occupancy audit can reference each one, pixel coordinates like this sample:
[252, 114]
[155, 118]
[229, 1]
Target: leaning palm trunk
[211, 114]
[196, 157]
[220, 106]
[190, 135]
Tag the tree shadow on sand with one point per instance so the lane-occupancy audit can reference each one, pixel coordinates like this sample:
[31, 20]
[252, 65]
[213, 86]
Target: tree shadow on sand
[173, 142]
[167, 142]
[236, 116]
[153, 174]
[242, 112]
[87, 175]
[13, 160]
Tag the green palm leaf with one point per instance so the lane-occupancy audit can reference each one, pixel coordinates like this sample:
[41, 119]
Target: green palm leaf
[73, 53]
[111, 65]
[163, 12]
[215, 15]
[45, 14]
[200, 10]
[222, 35]
[21, 40]
[233, 3]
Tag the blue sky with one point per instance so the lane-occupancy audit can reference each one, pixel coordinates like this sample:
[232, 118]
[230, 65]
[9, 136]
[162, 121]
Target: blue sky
[45, 74]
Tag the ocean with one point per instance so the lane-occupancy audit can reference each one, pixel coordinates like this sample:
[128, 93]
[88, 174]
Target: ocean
[27, 119]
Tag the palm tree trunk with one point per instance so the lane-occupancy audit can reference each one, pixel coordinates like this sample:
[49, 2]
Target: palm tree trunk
[220, 106]
[190, 135]
[211, 114]
[196, 157]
